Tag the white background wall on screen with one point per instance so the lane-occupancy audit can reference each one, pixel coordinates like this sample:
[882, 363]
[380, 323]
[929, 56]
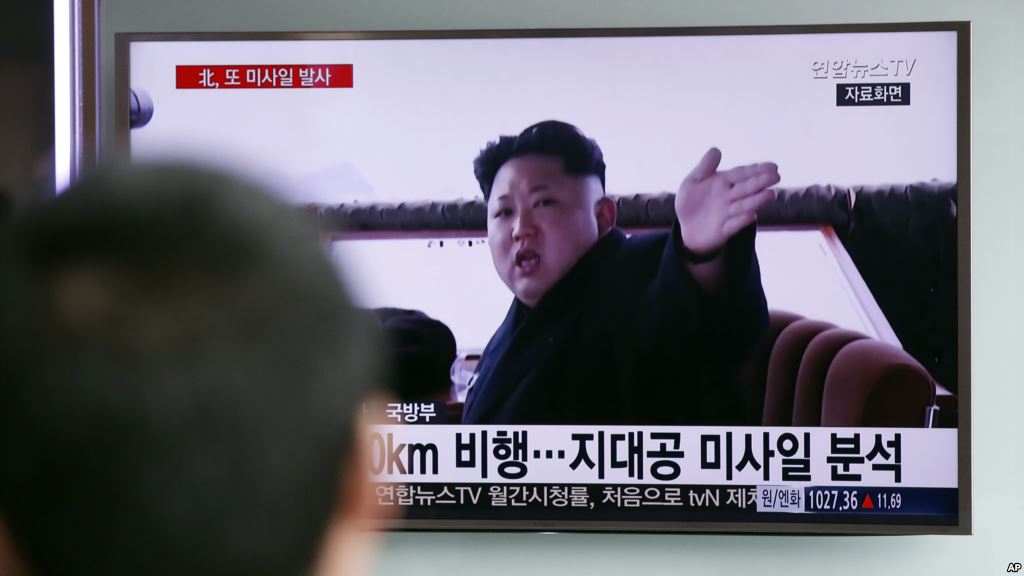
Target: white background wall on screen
[420, 110]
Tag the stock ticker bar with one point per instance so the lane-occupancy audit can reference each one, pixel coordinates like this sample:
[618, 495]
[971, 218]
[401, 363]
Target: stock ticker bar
[669, 503]
[880, 500]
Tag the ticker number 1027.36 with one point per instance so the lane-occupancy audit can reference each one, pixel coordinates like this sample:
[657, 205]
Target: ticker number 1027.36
[833, 500]
[845, 500]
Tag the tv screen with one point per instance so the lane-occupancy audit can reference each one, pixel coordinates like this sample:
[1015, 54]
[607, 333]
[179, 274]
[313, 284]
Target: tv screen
[629, 279]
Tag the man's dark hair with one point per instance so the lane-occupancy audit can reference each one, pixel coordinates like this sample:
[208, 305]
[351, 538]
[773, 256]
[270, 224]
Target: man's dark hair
[420, 353]
[179, 374]
[581, 156]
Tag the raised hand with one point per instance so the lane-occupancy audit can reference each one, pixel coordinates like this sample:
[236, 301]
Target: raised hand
[713, 205]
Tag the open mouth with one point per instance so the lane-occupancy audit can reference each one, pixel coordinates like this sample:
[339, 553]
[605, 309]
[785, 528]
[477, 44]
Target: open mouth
[527, 261]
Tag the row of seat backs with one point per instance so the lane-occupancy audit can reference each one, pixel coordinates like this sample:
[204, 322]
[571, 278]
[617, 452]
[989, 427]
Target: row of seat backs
[812, 373]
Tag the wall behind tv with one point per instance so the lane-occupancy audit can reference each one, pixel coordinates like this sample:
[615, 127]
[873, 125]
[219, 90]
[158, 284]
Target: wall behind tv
[998, 272]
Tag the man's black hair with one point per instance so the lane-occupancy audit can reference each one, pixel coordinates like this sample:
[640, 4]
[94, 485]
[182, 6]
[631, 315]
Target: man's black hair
[581, 156]
[420, 354]
[179, 372]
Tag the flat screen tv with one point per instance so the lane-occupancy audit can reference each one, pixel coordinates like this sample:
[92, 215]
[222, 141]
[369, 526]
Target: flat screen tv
[679, 279]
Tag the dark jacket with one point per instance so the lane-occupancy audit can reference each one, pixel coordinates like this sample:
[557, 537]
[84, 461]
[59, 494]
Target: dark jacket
[627, 336]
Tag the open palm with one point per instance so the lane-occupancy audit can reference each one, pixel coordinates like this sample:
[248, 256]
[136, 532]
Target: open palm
[713, 205]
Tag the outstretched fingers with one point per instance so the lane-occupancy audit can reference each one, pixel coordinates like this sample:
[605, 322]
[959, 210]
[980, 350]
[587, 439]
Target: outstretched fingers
[713, 206]
[754, 184]
[751, 202]
[741, 173]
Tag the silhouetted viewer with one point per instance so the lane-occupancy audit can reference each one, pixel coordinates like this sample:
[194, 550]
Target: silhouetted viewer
[179, 376]
[610, 329]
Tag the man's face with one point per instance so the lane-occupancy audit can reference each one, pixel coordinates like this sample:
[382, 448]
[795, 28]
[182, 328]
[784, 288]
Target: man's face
[540, 220]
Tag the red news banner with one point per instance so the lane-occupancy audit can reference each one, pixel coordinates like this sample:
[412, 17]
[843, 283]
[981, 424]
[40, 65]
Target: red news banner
[264, 76]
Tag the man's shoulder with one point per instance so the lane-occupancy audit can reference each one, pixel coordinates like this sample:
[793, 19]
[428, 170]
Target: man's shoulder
[637, 257]
[644, 248]
[647, 240]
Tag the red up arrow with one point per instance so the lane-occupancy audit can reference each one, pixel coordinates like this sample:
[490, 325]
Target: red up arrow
[867, 502]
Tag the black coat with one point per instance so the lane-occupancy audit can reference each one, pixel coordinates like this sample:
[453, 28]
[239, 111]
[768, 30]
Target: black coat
[627, 336]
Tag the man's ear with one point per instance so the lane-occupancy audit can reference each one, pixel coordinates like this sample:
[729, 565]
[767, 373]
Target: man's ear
[353, 532]
[605, 212]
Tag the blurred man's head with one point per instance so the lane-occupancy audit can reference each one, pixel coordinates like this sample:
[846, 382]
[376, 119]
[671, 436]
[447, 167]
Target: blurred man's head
[179, 371]
[546, 205]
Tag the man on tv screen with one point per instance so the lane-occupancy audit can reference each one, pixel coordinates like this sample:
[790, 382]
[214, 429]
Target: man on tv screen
[610, 329]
